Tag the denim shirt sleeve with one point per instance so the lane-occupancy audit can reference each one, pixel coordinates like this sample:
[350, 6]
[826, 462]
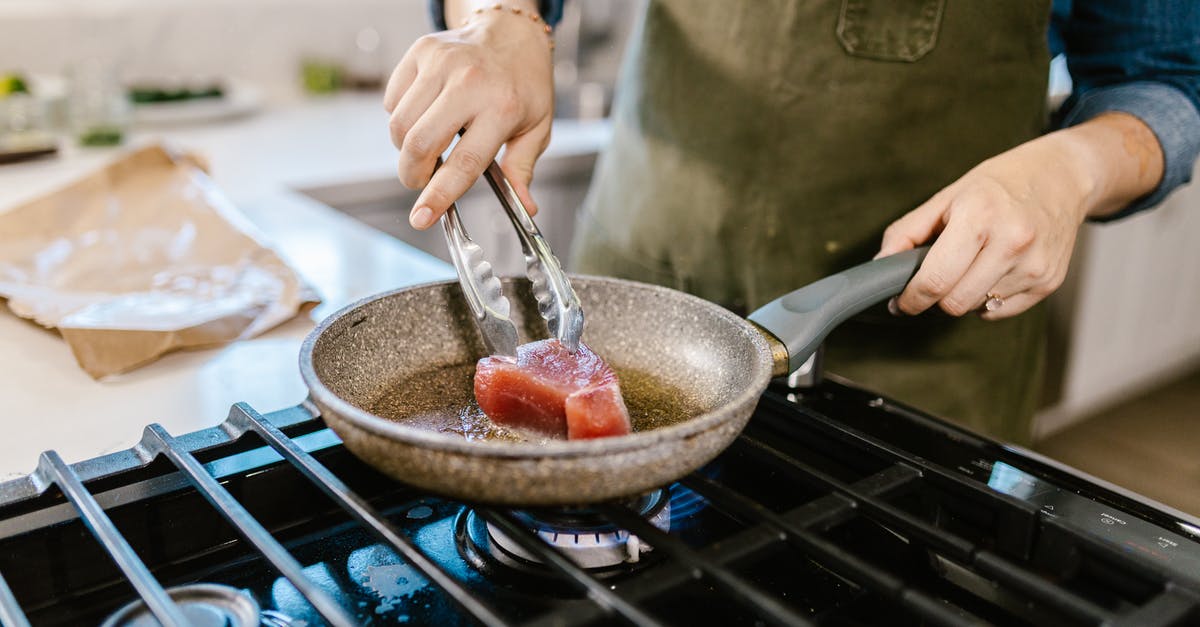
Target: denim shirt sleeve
[1141, 58]
[551, 11]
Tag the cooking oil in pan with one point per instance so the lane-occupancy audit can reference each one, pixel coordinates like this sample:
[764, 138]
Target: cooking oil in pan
[443, 400]
[652, 402]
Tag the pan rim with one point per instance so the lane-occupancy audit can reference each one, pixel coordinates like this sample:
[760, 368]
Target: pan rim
[559, 449]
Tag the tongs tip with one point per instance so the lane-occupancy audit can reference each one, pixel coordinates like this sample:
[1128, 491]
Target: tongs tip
[557, 301]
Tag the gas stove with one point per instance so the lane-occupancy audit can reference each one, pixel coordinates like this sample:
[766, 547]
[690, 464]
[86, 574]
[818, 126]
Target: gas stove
[835, 506]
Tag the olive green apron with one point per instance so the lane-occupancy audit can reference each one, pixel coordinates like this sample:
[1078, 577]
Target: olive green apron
[759, 146]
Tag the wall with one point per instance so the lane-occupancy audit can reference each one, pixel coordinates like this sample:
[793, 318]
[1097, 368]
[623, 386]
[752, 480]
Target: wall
[1126, 321]
[262, 41]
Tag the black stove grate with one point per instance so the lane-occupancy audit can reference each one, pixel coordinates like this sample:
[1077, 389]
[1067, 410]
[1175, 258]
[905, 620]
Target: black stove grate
[993, 555]
[10, 611]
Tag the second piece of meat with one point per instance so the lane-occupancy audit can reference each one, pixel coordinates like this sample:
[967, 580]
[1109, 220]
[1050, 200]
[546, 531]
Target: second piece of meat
[549, 390]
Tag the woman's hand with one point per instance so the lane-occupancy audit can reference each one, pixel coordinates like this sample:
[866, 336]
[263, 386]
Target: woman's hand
[1007, 228]
[492, 77]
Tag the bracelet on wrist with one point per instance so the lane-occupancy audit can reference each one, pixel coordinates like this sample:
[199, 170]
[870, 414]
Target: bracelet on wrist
[533, 16]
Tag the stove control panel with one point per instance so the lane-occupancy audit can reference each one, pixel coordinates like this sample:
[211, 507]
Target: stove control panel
[1177, 552]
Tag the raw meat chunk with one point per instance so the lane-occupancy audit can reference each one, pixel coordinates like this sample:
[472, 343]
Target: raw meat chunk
[549, 390]
[596, 412]
[511, 397]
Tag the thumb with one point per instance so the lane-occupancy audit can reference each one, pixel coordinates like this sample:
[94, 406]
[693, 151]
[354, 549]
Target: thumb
[520, 156]
[914, 228]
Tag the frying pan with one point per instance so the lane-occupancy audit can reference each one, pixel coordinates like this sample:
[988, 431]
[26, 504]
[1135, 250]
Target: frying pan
[719, 362]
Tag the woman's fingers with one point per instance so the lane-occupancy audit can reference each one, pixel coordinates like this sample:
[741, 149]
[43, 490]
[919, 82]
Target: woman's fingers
[412, 106]
[972, 289]
[948, 260]
[915, 227]
[470, 157]
[1029, 281]
[428, 138]
[520, 155]
[402, 78]
[1011, 306]
[403, 75]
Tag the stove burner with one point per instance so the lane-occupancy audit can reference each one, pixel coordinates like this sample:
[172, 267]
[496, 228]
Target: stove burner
[580, 534]
[203, 604]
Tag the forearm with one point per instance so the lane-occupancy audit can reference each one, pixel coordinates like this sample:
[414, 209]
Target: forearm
[1139, 58]
[1115, 158]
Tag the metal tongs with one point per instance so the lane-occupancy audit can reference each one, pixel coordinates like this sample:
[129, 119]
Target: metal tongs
[557, 302]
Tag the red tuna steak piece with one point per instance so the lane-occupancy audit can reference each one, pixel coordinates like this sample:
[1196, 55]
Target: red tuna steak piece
[597, 412]
[549, 390]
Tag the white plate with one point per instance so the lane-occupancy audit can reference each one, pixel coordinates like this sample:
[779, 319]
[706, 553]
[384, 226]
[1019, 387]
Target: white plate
[238, 100]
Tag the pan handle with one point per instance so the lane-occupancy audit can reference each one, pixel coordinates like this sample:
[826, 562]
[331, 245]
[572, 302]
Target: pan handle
[801, 319]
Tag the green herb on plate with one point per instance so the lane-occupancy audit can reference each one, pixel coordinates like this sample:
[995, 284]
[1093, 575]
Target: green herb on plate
[101, 136]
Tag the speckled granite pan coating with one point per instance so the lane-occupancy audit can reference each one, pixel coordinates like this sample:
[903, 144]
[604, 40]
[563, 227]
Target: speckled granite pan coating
[717, 358]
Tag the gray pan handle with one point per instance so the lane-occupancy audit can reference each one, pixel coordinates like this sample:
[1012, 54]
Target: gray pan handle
[802, 319]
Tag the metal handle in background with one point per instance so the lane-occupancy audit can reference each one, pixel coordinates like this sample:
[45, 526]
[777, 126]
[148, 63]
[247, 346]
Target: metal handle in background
[556, 299]
[480, 286]
[802, 319]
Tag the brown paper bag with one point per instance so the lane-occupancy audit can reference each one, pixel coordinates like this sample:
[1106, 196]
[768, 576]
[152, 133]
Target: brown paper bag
[140, 258]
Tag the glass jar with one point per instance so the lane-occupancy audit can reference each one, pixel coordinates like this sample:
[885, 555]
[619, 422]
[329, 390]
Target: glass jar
[99, 110]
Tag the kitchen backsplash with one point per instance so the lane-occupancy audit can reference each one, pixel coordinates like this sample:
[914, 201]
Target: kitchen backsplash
[265, 42]
[262, 41]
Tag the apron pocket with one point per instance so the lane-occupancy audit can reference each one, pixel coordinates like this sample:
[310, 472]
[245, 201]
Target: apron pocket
[890, 30]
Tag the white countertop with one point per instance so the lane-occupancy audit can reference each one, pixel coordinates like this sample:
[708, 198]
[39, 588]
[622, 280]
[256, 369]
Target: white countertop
[50, 403]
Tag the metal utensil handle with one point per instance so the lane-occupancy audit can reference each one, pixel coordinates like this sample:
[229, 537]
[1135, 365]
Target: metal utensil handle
[482, 289]
[801, 319]
[557, 302]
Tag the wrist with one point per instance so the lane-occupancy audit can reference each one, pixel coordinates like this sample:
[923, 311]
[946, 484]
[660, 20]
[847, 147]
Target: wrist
[1120, 157]
[515, 44]
[457, 12]
[511, 21]
[1077, 171]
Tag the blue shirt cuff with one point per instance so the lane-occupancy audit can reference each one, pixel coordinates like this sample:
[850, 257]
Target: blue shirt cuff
[551, 11]
[1167, 111]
